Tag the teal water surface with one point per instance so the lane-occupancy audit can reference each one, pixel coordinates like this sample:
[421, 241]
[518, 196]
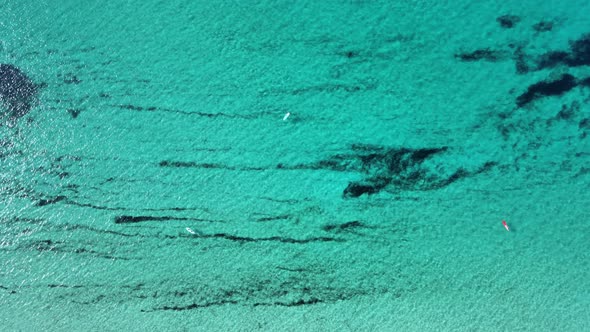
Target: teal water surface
[289, 166]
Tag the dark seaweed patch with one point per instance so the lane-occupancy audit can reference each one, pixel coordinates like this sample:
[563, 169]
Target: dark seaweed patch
[270, 239]
[297, 303]
[398, 167]
[585, 82]
[53, 200]
[543, 26]
[136, 219]
[44, 245]
[568, 112]
[459, 174]
[74, 112]
[194, 306]
[72, 79]
[356, 189]
[389, 168]
[183, 164]
[580, 51]
[482, 54]
[551, 88]
[508, 21]
[552, 59]
[584, 123]
[132, 107]
[521, 61]
[191, 164]
[344, 226]
[351, 54]
[419, 155]
[579, 55]
[282, 217]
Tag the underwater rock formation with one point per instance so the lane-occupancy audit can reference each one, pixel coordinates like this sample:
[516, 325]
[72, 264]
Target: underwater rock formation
[17, 92]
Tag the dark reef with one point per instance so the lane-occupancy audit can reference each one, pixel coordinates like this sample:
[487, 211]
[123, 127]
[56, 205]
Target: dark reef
[135, 219]
[521, 61]
[577, 55]
[401, 168]
[552, 59]
[356, 189]
[481, 54]
[52, 200]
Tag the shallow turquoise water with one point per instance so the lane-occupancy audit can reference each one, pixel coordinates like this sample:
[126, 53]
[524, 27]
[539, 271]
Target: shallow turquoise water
[154, 185]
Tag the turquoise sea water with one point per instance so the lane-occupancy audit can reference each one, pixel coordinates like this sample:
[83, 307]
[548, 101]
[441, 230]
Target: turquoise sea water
[154, 185]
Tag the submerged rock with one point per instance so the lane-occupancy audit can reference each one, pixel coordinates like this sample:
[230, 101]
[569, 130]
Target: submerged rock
[17, 92]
